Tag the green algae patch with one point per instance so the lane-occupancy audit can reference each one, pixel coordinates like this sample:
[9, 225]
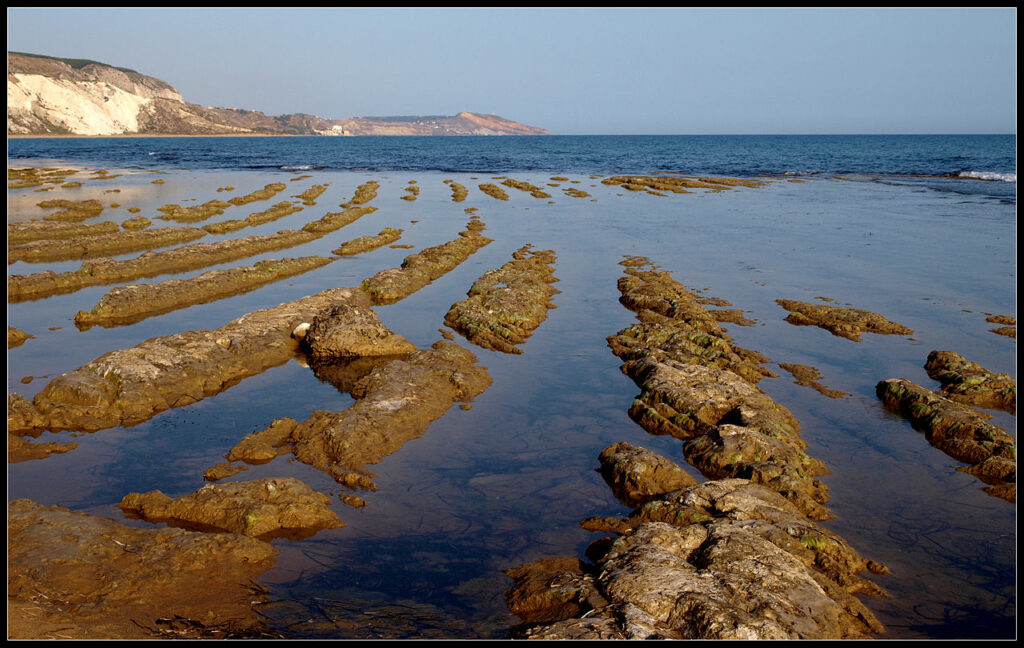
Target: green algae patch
[95, 245]
[531, 189]
[421, 268]
[841, 322]
[494, 191]
[367, 243]
[131, 304]
[960, 431]
[505, 305]
[107, 271]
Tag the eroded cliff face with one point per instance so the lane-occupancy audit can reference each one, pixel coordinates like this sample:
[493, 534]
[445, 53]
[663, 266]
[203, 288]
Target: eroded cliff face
[49, 96]
[46, 95]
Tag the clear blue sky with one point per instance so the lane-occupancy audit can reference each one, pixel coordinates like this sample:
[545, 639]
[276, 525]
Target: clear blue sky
[571, 70]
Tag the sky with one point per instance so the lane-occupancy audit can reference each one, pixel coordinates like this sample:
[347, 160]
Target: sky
[570, 70]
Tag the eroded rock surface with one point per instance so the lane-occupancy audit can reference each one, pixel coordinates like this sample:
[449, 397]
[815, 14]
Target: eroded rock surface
[95, 245]
[25, 231]
[367, 243]
[82, 576]
[130, 304]
[421, 268]
[151, 264]
[960, 431]
[352, 331]
[808, 376]
[697, 387]
[505, 305]
[841, 322]
[725, 559]
[637, 475]
[968, 382]
[394, 404]
[128, 386]
[262, 508]
[16, 337]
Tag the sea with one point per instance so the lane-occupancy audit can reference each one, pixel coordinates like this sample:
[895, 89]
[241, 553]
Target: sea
[921, 229]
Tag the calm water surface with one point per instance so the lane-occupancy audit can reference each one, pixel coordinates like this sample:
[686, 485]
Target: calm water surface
[508, 480]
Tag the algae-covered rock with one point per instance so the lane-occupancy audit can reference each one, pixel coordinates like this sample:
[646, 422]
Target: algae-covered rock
[25, 231]
[494, 191]
[421, 268]
[94, 245]
[505, 305]
[367, 243]
[959, 430]
[151, 264]
[841, 322]
[262, 508]
[968, 382]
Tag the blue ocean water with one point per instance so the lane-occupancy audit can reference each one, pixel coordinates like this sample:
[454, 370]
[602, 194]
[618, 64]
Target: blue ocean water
[924, 234]
[736, 155]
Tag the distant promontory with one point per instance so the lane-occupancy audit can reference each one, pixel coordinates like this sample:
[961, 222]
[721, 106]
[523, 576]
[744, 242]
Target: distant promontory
[61, 96]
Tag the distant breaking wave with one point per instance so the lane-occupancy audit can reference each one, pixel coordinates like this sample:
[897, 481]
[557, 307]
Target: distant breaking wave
[989, 175]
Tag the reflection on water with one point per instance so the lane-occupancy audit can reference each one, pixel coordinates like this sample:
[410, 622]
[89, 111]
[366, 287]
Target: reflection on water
[509, 479]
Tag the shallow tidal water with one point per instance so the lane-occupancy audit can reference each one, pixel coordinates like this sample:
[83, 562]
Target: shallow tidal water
[508, 480]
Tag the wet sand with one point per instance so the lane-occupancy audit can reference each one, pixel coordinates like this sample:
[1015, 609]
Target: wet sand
[509, 480]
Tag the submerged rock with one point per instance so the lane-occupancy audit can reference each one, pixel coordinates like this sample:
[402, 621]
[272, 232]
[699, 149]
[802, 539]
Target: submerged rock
[969, 382]
[262, 508]
[16, 337]
[507, 304]
[841, 322]
[494, 191]
[76, 575]
[808, 377]
[395, 403]
[958, 430]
